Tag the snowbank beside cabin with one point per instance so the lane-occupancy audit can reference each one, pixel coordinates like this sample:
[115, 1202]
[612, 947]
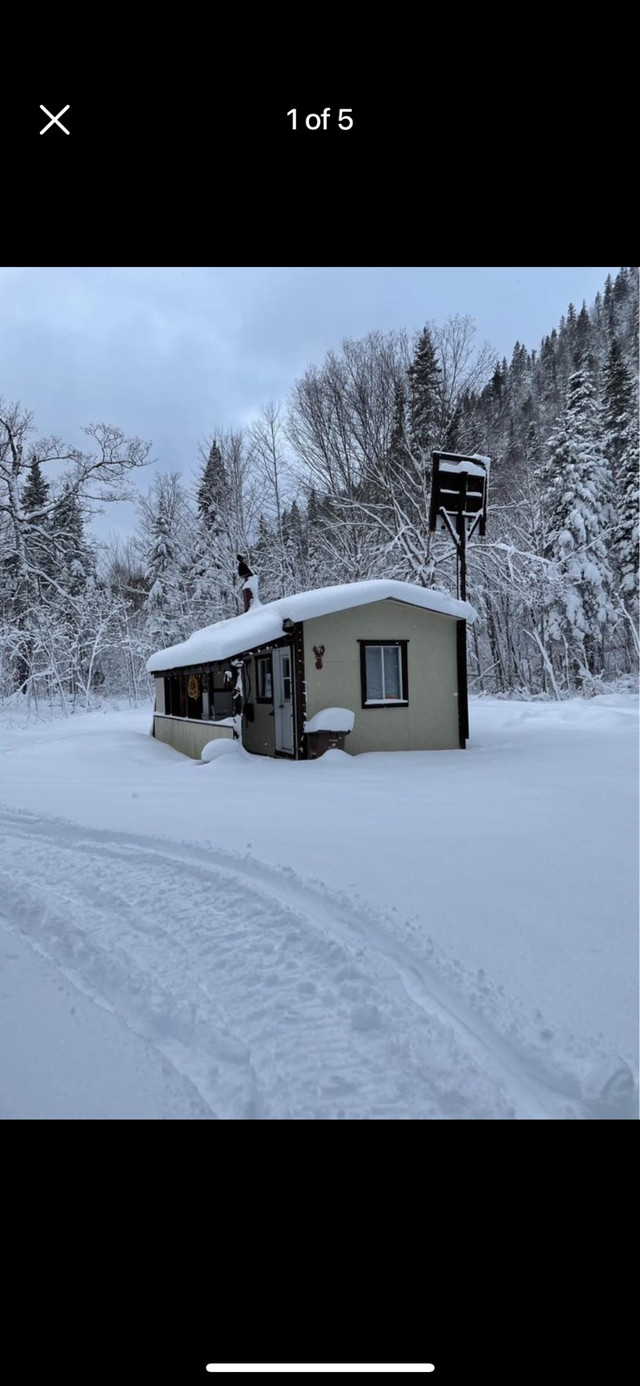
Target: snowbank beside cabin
[261, 623]
[215, 749]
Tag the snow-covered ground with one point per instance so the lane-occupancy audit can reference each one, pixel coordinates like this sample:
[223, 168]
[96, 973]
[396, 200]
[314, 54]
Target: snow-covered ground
[429, 934]
[65, 1056]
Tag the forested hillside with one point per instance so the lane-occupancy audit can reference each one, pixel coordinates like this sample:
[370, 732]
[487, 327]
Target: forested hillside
[332, 485]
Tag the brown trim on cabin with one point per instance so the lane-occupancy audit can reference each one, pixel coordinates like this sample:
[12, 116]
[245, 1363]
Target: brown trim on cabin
[299, 692]
[404, 664]
[463, 695]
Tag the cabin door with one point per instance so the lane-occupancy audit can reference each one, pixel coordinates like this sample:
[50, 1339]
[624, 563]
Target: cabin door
[283, 699]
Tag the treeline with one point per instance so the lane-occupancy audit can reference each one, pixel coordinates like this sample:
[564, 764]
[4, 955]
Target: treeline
[333, 486]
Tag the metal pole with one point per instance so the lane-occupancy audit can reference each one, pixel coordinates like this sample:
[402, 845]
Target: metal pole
[462, 538]
[463, 560]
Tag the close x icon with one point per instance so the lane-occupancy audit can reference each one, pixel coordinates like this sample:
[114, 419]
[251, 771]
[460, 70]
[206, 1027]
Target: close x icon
[53, 121]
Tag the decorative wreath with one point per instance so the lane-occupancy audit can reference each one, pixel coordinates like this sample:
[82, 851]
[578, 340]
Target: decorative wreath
[193, 687]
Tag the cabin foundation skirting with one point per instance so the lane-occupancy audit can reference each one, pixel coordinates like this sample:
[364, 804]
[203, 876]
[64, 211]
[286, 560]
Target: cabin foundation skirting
[189, 737]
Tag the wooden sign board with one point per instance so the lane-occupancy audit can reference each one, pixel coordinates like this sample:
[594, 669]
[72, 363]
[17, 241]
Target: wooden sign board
[459, 486]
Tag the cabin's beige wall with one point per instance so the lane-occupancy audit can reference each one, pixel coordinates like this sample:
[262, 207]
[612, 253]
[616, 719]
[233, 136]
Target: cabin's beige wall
[188, 736]
[258, 736]
[159, 694]
[430, 722]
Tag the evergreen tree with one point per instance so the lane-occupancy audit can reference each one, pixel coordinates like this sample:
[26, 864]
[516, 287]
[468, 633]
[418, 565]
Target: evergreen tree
[163, 554]
[37, 527]
[626, 554]
[581, 350]
[75, 561]
[618, 404]
[621, 434]
[36, 491]
[425, 396]
[164, 547]
[213, 488]
[578, 512]
[570, 324]
[624, 310]
[608, 297]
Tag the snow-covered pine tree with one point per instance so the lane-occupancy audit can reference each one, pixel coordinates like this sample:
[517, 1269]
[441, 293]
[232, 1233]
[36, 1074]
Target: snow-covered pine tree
[618, 405]
[425, 396]
[626, 555]
[220, 531]
[163, 545]
[608, 305]
[578, 513]
[163, 553]
[75, 560]
[35, 492]
[213, 488]
[205, 560]
[620, 416]
[582, 340]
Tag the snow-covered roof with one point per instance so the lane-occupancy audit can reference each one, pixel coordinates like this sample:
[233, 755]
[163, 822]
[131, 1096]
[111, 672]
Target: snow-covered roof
[261, 623]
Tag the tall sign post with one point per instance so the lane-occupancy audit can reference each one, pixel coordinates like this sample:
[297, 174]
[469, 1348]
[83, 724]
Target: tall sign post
[459, 491]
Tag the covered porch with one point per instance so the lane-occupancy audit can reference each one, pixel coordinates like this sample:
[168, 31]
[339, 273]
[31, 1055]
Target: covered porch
[255, 694]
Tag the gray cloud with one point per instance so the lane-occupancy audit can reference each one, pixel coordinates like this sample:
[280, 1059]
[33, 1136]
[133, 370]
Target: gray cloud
[172, 353]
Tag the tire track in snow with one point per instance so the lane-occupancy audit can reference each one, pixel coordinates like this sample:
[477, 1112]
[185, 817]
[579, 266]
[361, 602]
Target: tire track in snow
[273, 997]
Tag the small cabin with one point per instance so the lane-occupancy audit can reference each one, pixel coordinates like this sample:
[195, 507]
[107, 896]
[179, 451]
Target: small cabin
[386, 659]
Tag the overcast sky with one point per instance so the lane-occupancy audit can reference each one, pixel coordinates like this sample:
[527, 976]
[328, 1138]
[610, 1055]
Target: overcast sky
[171, 354]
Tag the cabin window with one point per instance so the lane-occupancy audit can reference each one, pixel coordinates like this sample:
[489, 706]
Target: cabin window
[201, 697]
[383, 666]
[264, 676]
[175, 695]
[221, 693]
[208, 697]
[194, 696]
[183, 695]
